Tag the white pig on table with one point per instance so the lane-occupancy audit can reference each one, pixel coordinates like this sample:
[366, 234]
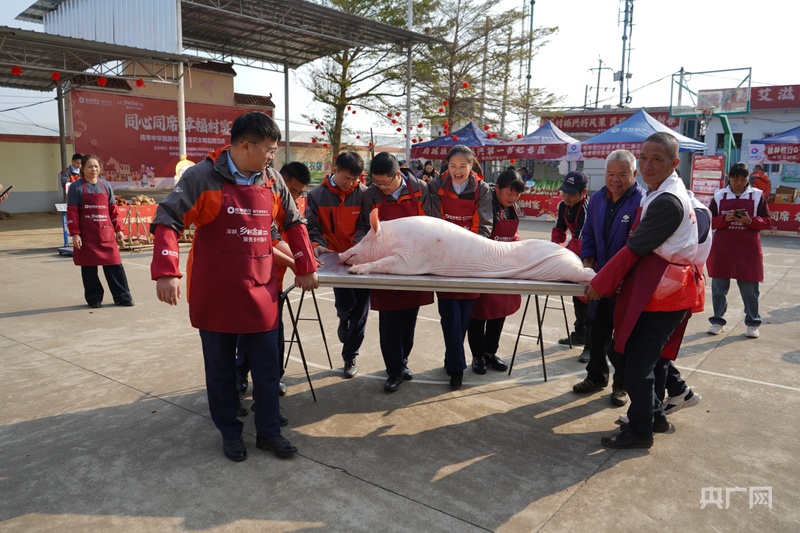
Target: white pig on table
[428, 245]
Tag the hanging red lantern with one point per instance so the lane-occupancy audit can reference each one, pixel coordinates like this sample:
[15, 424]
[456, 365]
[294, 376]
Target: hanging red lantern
[419, 125]
[349, 108]
[358, 136]
[102, 82]
[321, 123]
[325, 145]
[394, 121]
[55, 76]
[466, 85]
[445, 103]
[446, 124]
[370, 144]
[513, 161]
[399, 129]
[354, 111]
[454, 137]
[324, 133]
[389, 114]
[313, 140]
[397, 113]
[519, 136]
[16, 71]
[441, 110]
[486, 127]
[447, 132]
[140, 82]
[312, 120]
[414, 140]
[316, 127]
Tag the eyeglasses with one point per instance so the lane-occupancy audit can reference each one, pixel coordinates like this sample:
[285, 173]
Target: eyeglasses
[270, 151]
[384, 185]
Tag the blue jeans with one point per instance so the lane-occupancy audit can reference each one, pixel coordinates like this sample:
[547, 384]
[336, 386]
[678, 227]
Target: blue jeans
[642, 353]
[719, 298]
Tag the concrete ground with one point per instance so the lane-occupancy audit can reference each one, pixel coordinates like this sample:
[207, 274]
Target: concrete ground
[105, 424]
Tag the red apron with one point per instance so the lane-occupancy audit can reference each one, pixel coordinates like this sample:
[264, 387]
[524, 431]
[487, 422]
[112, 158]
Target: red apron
[736, 250]
[339, 222]
[99, 244]
[407, 205]
[491, 306]
[461, 213]
[233, 287]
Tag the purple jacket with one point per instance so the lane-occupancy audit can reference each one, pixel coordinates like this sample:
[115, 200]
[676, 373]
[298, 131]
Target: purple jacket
[607, 225]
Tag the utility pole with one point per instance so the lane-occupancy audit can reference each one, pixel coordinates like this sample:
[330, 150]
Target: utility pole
[599, 70]
[408, 86]
[528, 83]
[623, 75]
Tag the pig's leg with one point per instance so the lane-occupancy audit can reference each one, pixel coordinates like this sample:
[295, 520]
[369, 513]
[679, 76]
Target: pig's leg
[386, 265]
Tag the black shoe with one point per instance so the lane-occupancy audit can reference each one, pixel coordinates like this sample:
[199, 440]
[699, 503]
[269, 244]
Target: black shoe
[659, 426]
[282, 388]
[587, 385]
[393, 383]
[234, 449]
[277, 445]
[585, 355]
[495, 362]
[627, 440]
[96, 305]
[456, 379]
[241, 410]
[341, 331]
[126, 303]
[241, 383]
[283, 420]
[578, 339]
[408, 375]
[479, 365]
[618, 395]
[350, 369]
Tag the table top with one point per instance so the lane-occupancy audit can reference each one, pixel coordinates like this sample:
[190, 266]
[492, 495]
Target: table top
[333, 273]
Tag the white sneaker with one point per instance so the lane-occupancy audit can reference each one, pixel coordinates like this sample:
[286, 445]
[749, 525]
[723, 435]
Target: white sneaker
[716, 329]
[623, 419]
[676, 403]
[752, 332]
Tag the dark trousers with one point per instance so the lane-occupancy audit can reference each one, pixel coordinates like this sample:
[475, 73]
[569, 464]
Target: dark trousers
[116, 279]
[642, 353]
[242, 361]
[581, 324]
[352, 306]
[601, 329]
[454, 318]
[397, 338]
[219, 354]
[668, 379]
[484, 336]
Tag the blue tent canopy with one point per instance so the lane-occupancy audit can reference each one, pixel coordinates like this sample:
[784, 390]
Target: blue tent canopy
[470, 135]
[633, 131]
[791, 136]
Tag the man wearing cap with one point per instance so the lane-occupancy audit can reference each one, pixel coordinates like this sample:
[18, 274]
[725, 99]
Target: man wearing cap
[571, 216]
[611, 213]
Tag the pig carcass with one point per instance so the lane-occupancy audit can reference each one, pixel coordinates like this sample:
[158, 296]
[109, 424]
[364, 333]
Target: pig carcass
[427, 245]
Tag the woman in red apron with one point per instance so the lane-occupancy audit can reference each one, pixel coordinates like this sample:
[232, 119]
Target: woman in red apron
[739, 213]
[93, 222]
[394, 195]
[462, 197]
[489, 311]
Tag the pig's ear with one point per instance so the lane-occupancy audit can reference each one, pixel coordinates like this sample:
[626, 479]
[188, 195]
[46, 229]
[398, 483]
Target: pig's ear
[374, 221]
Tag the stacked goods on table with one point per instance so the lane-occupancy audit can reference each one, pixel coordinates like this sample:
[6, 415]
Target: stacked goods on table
[142, 200]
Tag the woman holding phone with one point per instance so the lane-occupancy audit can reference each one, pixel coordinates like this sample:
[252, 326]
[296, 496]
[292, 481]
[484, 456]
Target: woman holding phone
[739, 212]
[95, 226]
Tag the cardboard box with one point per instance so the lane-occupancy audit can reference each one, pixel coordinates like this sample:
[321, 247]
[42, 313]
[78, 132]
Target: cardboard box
[785, 195]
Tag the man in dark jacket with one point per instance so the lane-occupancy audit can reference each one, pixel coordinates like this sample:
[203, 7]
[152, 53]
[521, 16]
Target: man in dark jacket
[609, 218]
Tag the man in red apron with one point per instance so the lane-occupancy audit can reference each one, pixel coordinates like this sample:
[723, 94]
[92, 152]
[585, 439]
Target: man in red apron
[658, 268]
[95, 226]
[571, 217]
[490, 310]
[462, 197]
[394, 195]
[333, 212]
[232, 284]
[739, 214]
